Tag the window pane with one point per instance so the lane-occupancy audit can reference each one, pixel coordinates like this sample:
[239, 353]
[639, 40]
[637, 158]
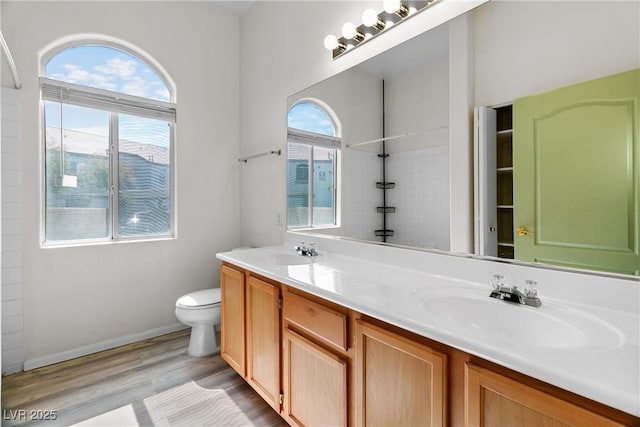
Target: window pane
[107, 68]
[323, 186]
[144, 206]
[299, 159]
[309, 117]
[77, 173]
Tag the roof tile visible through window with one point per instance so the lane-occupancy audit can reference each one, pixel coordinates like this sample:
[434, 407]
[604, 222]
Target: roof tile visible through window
[107, 68]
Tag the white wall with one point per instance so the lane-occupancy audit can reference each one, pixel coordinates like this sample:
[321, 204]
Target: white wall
[418, 101]
[461, 85]
[523, 48]
[80, 296]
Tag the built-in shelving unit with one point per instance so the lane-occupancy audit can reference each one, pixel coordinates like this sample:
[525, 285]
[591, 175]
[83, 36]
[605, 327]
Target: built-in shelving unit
[504, 180]
[384, 185]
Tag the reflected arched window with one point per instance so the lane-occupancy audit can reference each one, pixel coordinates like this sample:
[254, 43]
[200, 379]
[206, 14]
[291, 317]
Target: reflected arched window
[313, 148]
[109, 120]
[309, 117]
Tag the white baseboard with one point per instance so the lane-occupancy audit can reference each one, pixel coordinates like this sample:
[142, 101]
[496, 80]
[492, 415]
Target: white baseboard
[50, 359]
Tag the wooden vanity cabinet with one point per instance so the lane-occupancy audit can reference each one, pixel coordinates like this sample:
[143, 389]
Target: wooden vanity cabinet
[492, 399]
[315, 363]
[318, 363]
[232, 315]
[263, 339]
[398, 381]
[250, 330]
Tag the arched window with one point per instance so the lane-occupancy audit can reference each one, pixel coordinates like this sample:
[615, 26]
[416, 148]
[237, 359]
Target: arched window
[313, 148]
[109, 120]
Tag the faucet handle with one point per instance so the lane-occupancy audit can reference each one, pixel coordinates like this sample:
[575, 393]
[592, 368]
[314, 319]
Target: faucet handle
[497, 281]
[531, 288]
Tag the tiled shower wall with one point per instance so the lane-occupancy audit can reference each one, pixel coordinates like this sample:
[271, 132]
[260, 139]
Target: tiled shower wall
[421, 197]
[12, 306]
[360, 195]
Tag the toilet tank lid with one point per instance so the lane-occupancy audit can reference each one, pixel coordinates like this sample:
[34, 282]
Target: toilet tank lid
[200, 298]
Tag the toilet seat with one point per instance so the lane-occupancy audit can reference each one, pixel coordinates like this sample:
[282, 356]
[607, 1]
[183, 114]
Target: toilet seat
[206, 298]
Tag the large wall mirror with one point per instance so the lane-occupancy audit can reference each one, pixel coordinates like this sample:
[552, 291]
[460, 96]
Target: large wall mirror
[395, 164]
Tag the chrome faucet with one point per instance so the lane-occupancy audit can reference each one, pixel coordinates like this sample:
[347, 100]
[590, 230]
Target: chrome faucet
[513, 294]
[303, 250]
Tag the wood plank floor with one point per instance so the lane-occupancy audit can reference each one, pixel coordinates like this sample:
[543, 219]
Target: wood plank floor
[89, 386]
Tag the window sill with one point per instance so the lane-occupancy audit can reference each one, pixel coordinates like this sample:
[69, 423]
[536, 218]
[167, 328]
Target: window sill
[74, 244]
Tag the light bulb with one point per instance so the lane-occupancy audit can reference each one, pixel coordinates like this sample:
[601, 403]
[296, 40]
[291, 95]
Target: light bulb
[349, 30]
[391, 6]
[369, 18]
[330, 42]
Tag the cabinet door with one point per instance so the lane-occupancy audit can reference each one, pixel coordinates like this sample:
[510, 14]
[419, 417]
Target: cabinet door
[494, 400]
[398, 381]
[232, 318]
[315, 384]
[263, 340]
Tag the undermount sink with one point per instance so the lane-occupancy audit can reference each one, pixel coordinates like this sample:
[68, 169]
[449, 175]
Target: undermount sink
[289, 259]
[491, 320]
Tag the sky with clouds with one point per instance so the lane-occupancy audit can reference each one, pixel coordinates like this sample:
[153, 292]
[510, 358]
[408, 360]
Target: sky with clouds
[309, 117]
[107, 68]
[114, 70]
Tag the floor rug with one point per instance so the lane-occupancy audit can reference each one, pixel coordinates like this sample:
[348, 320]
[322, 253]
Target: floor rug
[192, 405]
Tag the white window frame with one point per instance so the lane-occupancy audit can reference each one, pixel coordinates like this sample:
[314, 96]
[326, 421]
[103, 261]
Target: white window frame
[113, 103]
[312, 139]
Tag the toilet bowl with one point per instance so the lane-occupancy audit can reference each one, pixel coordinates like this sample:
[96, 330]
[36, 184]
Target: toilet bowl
[201, 311]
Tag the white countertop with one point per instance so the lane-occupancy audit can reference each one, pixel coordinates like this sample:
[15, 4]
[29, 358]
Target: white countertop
[591, 350]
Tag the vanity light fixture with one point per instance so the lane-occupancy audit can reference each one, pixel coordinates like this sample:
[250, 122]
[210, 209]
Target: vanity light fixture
[350, 32]
[395, 6]
[371, 19]
[374, 23]
[331, 42]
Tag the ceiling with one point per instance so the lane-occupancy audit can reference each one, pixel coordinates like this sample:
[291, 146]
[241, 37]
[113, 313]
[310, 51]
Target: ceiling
[238, 7]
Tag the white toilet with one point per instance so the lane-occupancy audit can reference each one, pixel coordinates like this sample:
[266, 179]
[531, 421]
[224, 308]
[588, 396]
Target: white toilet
[201, 311]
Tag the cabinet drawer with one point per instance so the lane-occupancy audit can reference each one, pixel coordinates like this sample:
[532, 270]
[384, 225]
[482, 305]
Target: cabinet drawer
[323, 323]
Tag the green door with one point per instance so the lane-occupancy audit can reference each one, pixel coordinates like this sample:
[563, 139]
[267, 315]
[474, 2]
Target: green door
[576, 175]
